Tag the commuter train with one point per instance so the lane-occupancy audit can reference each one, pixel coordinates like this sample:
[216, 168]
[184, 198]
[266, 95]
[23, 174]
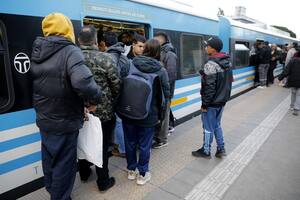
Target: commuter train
[20, 24]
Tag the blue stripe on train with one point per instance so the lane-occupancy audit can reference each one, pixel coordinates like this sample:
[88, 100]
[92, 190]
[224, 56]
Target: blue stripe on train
[184, 94]
[17, 119]
[20, 162]
[187, 82]
[242, 70]
[20, 141]
[243, 77]
[241, 84]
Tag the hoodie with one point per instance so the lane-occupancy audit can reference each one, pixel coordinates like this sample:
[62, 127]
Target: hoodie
[150, 65]
[61, 83]
[216, 81]
[121, 61]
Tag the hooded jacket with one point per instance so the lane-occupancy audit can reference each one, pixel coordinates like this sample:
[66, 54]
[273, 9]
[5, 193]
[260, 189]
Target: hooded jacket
[292, 71]
[168, 58]
[121, 61]
[150, 65]
[216, 81]
[61, 83]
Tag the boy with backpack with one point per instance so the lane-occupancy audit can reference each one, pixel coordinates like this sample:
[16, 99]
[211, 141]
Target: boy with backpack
[142, 100]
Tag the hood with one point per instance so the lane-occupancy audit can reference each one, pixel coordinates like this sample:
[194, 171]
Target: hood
[116, 48]
[168, 47]
[146, 64]
[59, 25]
[44, 47]
[222, 59]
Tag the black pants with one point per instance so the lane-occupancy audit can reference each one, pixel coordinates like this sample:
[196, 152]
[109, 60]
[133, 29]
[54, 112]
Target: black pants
[270, 76]
[59, 152]
[102, 173]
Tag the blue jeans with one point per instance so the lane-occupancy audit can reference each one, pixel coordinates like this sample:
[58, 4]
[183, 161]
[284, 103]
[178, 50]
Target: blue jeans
[119, 135]
[141, 137]
[211, 121]
[59, 153]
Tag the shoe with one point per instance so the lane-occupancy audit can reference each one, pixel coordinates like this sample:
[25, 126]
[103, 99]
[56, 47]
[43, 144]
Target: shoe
[158, 145]
[295, 112]
[171, 129]
[291, 109]
[111, 183]
[131, 175]
[142, 180]
[261, 87]
[220, 153]
[84, 176]
[116, 153]
[201, 153]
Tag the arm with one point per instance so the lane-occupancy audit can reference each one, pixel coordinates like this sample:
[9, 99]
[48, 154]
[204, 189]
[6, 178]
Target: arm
[286, 70]
[170, 63]
[113, 78]
[165, 84]
[81, 78]
[208, 88]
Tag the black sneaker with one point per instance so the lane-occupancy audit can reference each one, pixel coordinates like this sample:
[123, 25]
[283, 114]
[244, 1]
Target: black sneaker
[84, 176]
[111, 183]
[201, 153]
[220, 153]
[158, 145]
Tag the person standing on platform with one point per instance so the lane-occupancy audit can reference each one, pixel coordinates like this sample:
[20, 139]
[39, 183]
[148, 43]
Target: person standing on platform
[264, 58]
[273, 64]
[216, 84]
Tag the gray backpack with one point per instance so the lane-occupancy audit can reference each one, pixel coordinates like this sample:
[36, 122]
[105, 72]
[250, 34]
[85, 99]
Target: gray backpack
[136, 94]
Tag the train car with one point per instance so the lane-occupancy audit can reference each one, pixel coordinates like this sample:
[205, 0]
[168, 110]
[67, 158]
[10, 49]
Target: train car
[20, 24]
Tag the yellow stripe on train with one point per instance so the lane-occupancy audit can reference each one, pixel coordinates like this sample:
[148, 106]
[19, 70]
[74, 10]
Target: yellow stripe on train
[179, 101]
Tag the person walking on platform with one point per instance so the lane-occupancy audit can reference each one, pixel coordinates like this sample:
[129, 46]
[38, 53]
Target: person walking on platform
[216, 84]
[168, 58]
[61, 83]
[141, 110]
[106, 75]
[264, 58]
[292, 72]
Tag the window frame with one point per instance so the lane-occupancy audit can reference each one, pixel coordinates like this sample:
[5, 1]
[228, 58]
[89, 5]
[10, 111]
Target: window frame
[8, 73]
[247, 43]
[181, 54]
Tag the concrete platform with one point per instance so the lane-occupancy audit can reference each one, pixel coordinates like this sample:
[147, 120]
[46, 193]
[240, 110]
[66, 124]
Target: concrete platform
[271, 173]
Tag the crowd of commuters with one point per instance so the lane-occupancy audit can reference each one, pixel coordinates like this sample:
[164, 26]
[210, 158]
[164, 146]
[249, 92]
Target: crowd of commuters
[128, 82]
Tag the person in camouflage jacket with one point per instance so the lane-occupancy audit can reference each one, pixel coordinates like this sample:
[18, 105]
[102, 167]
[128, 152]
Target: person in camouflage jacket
[106, 75]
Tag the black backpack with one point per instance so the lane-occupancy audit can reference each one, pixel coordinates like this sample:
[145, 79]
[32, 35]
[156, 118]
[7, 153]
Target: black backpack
[136, 94]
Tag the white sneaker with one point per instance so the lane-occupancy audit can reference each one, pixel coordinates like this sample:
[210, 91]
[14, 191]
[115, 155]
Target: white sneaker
[291, 109]
[131, 175]
[261, 87]
[142, 180]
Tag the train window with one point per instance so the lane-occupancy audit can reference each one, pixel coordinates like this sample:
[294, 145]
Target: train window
[6, 89]
[241, 57]
[192, 54]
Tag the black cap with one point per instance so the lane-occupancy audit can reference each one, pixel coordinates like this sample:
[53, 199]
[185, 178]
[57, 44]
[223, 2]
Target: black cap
[215, 43]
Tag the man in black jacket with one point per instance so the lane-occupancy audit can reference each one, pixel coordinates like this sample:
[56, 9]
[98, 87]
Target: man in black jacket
[292, 71]
[216, 81]
[61, 84]
[168, 58]
[264, 58]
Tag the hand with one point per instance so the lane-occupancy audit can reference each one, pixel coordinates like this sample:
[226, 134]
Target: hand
[203, 110]
[92, 108]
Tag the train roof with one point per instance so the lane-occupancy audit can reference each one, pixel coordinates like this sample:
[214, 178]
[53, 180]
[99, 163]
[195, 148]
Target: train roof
[178, 7]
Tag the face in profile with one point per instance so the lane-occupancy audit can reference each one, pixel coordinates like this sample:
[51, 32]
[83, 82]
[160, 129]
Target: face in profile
[160, 39]
[209, 50]
[138, 48]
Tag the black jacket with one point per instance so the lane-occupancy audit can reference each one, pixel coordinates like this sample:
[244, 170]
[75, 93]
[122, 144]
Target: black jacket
[264, 55]
[150, 65]
[61, 83]
[168, 58]
[216, 81]
[121, 61]
[292, 71]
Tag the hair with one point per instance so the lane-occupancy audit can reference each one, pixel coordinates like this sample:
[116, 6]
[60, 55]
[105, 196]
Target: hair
[109, 38]
[138, 38]
[266, 43]
[88, 35]
[164, 35]
[152, 49]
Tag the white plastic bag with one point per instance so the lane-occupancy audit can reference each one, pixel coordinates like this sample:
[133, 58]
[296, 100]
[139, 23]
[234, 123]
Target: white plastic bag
[90, 143]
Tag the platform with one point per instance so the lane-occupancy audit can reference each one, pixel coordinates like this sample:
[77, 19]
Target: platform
[262, 140]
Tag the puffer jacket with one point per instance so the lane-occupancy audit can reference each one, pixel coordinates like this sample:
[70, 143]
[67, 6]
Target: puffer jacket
[168, 58]
[61, 84]
[216, 81]
[292, 71]
[150, 65]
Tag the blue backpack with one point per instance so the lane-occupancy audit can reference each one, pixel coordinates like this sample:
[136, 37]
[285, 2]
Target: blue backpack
[136, 94]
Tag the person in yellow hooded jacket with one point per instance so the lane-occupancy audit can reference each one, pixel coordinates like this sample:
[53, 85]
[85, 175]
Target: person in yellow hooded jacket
[61, 86]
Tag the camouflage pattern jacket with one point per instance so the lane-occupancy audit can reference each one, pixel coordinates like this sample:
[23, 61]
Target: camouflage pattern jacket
[106, 76]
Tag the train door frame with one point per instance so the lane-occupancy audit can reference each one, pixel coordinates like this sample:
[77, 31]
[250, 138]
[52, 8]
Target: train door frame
[7, 69]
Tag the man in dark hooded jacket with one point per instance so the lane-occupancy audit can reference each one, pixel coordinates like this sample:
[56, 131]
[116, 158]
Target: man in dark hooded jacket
[61, 84]
[168, 58]
[216, 82]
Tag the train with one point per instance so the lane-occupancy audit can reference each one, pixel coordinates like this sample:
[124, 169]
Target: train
[20, 23]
